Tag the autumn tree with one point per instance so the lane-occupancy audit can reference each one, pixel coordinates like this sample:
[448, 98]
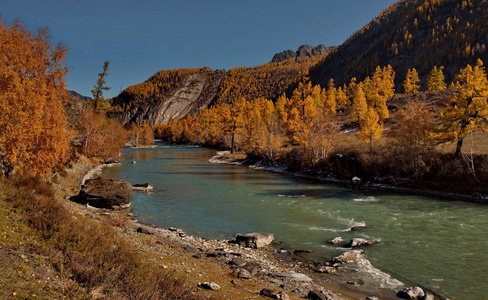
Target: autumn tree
[379, 89]
[370, 128]
[412, 136]
[467, 110]
[411, 83]
[359, 103]
[33, 136]
[142, 135]
[435, 80]
[99, 103]
[331, 102]
[341, 96]
[101, 136]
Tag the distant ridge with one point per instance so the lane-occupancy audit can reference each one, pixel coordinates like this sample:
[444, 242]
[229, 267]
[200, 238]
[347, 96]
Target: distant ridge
[80, 96]
[303, 50]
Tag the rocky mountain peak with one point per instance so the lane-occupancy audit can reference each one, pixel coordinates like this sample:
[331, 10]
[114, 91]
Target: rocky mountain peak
[303, 50]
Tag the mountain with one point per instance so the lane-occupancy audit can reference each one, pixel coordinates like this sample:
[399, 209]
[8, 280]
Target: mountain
[412, 34]
[167, 95]
[172, 94]
[303, 50]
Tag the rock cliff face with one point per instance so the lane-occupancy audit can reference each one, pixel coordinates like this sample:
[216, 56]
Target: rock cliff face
[194, 92]
[303, 50]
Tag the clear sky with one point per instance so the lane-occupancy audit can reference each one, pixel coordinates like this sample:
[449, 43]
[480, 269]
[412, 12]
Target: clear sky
[142, 37]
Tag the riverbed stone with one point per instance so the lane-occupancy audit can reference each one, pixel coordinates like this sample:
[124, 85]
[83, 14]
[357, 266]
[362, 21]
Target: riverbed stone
[244, 274]
[336, 240]
[254, 240]
[209, 286]
[325, 269]
[359, 242]
[106, 193]
[321, 294]
[293, 276]
[411, 293]
[348, 257]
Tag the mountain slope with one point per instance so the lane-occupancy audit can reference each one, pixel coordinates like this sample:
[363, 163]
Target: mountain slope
[167, 95]
[172, 94]
[412, 34]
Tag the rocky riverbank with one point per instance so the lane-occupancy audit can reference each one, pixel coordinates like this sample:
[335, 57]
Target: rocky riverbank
[225, 269]
[240, 272]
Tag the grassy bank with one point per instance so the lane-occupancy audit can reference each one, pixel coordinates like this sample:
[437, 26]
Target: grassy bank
[48, 251]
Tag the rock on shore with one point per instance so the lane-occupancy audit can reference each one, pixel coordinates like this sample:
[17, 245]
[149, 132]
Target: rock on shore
[105, 193]
[254, 240]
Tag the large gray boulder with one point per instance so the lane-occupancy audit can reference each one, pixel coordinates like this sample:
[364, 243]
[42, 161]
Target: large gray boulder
[348, 257]
[254, 240]
[106, 193]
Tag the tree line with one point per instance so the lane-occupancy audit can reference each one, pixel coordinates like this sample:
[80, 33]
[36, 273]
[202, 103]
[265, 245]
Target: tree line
[308, 119]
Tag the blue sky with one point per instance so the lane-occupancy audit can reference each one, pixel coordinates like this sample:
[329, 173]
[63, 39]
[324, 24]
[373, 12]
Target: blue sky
[142, 37]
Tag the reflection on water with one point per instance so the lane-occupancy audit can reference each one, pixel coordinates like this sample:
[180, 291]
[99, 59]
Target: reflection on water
[439, 243]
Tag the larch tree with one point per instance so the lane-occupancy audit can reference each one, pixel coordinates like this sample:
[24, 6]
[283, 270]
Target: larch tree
[411, 83]
[331, 97]
[341, 96]
[435, 80]
[467, 110]
[33, 136]
[370, 128]
[99, 103]
[359, 103]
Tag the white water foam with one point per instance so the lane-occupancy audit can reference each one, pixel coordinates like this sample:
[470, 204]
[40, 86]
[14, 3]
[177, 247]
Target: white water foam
[376, 276]
[367, 199]
[292, 196]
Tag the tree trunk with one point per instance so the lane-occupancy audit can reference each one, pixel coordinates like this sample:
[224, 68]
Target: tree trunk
[459, 145]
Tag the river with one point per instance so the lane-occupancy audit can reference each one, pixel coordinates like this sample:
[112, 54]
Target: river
[439, 243]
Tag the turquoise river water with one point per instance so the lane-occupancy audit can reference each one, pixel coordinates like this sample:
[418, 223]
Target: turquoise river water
[440, 244]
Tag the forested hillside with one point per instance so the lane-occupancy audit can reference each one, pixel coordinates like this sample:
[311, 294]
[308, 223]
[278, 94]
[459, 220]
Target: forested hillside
[171, 94]
[416, 34]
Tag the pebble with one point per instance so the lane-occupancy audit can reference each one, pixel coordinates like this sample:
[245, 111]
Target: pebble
[209, 286]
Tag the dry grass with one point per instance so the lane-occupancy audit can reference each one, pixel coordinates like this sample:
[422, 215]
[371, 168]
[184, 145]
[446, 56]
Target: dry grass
[84, 252]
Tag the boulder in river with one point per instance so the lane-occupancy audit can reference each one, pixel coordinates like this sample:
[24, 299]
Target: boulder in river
[254, 240]
[336, 240]
[106, 193]
[358, 242]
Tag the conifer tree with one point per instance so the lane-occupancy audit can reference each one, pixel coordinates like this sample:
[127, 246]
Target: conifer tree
[410, 85]
[99, 103]
[370, 129]
[467, 111]
[341, 96]
[435, 80]
[359, 102]
[331, 97]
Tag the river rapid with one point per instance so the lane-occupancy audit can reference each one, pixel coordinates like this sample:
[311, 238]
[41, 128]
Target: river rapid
[438, 243]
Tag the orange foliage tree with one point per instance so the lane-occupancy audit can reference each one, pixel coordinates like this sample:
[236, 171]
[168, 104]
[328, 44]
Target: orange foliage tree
[33, 136]
[101, 136]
